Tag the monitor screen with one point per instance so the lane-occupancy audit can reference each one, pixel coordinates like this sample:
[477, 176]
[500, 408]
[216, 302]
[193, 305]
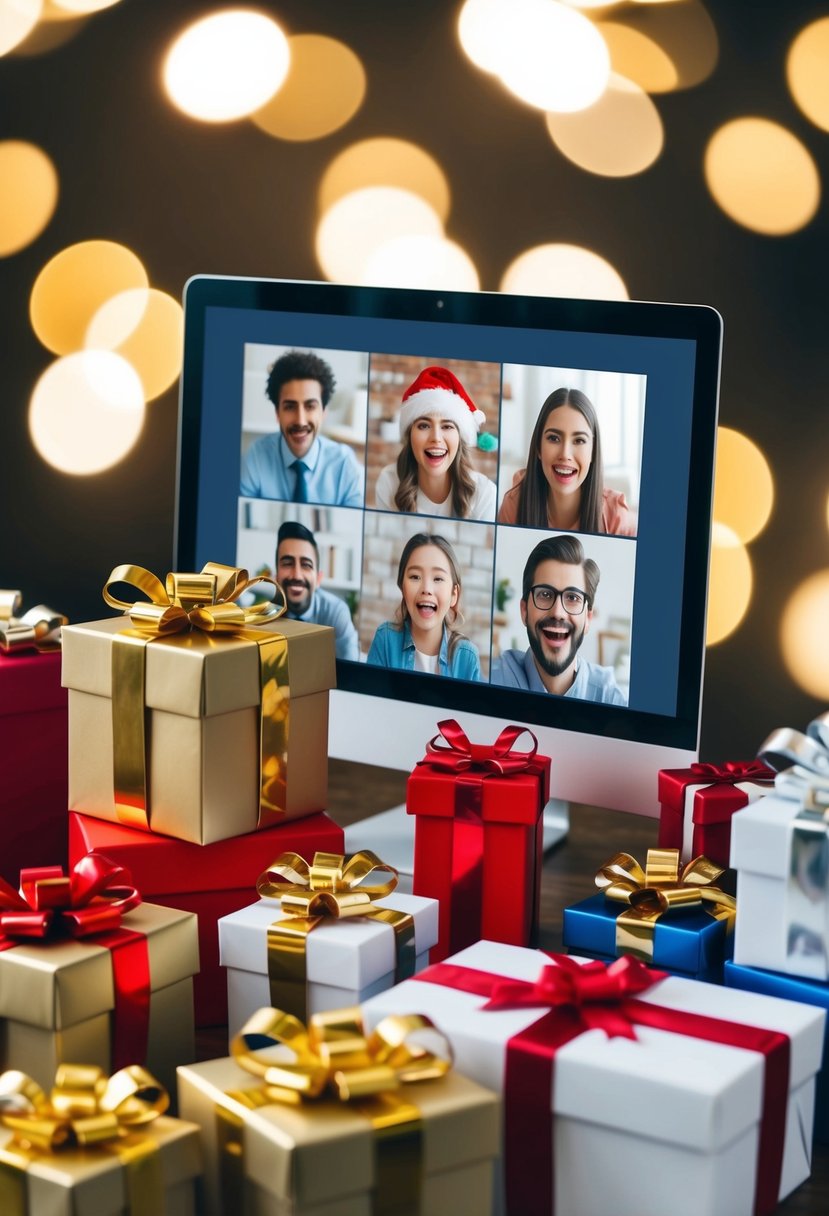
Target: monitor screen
[501, 504]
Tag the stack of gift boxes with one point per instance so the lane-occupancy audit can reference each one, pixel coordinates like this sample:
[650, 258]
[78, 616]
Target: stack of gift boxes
[391, 1053]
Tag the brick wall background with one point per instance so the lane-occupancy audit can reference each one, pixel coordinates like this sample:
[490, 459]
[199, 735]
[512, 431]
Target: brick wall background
[391, 375]
[383, 541]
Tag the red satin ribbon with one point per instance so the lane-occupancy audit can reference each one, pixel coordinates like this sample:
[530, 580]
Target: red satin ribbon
[732, 771]
[88, 903]
[596, 996]
[461, 755]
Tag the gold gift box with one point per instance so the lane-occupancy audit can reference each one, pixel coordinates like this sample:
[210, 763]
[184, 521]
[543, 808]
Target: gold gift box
[318, 1158]
[56, 999]
[202, 694]
[94, 1183]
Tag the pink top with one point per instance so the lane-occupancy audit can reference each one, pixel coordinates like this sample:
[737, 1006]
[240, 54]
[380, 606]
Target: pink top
[617, 517]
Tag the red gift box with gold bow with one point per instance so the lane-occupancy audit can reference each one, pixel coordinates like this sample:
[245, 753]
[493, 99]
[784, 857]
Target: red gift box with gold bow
[697, 804]
[478, 831]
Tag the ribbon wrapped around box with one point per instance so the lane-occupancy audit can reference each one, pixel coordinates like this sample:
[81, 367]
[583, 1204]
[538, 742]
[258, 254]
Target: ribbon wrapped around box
[781, 853]
[89, 972]
[226, 688]
[680, 921]
[697, 805]
[374, 1123]
[701, 1095]
[95, 1146]
[324, 933]
[478, 833]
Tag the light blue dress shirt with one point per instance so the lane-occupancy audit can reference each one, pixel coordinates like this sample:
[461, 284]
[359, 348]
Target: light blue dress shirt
[328, 609]
[334, 474]
[517, 669]
[395, 648]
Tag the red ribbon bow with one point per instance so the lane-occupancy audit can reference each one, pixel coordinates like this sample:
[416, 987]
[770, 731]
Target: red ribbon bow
[733, 770]
[463, 756]
[90, 900]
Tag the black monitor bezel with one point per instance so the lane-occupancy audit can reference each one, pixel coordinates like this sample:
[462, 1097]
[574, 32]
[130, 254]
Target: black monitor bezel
[698, 323]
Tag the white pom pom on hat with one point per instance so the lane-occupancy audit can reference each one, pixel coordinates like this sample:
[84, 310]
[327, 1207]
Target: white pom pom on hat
[437, 391]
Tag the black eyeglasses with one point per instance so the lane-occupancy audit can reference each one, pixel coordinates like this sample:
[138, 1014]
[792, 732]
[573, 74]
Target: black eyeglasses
[572, 600]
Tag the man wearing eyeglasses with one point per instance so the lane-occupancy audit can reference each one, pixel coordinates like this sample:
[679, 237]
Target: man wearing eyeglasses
[559, 591]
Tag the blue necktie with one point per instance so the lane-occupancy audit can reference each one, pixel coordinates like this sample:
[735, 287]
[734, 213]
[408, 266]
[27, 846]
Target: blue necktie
[301, 488]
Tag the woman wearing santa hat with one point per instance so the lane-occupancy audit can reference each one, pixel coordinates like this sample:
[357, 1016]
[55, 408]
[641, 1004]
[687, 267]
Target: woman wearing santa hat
[439, 423]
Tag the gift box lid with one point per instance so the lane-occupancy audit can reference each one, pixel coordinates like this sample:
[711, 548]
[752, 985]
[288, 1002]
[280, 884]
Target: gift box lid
[30, 683]
[198, 674]
[760, 836]
[162, 865]
[95, 1183]
[775, 983]
[319, 1152]
[689, 941]
[63, 982]
[351, 953]
[668, 1087]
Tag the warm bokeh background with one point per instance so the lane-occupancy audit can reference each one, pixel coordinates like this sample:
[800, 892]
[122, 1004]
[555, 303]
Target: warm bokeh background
[702, 185]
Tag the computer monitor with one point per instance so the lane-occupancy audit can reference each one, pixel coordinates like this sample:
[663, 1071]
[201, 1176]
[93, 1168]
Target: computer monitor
[650, 372]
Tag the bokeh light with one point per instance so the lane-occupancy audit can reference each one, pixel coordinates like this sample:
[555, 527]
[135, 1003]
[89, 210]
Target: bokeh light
[358, 224]
[17, 20]
[72, 287]
[82, 7]
[762, 176]
[685, 32]
[730, 584]
[227, 65]
[146, 327]
[804, 637]
[563, 270]
[743, 485]
[619, 135]
[807, 72]
[324, 88]
[29, 194]
[421, 261]
[385, 162]
[86, 411]
[638, 58]
[55, 28]
[547, 54]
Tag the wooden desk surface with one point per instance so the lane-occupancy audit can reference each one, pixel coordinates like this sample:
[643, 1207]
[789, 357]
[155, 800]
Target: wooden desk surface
[357, 790]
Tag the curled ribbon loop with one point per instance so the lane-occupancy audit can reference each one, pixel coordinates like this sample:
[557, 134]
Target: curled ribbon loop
[38, 629]
[333, 885]
[801, 762]
[657, 890]
[334, 1055]
[91, 899]
[192, 601]
[458, 755]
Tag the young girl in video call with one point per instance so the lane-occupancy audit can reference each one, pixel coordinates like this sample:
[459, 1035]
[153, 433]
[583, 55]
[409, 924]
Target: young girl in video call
[422, 636]
[562, 486]
[439, 423]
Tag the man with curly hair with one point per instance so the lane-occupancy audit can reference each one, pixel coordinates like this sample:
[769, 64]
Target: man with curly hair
[296, 463]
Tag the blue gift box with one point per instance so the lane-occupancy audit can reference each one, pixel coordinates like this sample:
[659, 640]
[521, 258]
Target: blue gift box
[792, 988]
[688, 942]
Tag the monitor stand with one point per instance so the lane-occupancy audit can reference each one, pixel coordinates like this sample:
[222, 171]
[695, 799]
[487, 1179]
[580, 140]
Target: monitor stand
[391, 836]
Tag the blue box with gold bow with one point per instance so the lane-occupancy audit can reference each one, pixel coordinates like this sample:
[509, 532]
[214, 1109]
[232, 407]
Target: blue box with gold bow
[676, 919]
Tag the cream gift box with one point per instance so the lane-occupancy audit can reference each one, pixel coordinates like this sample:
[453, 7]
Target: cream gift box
[346, 960]
[662, 1122]
[57, 998]
[203, 727]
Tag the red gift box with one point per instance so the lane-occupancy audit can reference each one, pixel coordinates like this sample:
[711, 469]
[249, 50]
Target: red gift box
[697, 803]
[33, 763]
[478, 837]
[211, 880]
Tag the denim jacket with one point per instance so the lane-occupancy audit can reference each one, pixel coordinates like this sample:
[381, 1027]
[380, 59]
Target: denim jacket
[395, 648]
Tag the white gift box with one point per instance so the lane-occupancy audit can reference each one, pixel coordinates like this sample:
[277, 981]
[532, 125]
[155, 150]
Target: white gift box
[664, 1122]
[766, 933]
[347, 960]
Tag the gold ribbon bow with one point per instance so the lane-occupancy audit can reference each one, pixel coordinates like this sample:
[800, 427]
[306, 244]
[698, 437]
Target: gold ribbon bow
[37, 629]
[206, 601]
[334, 1058]
[85, 1111]
[334, 885]
[657, 890]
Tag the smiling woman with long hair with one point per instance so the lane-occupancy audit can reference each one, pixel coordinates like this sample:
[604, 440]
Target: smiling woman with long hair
[562, 486]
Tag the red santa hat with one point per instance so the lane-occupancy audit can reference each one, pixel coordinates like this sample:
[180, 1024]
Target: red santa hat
[436, 391]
